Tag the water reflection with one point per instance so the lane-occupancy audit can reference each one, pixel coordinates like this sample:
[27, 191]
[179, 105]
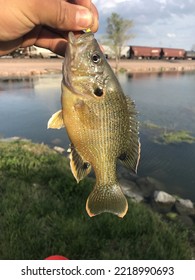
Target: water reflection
[26, 106]
[9, 85]
[166, 100]
[163, 74]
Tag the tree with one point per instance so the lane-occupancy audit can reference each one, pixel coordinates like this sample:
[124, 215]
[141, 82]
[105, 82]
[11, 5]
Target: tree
[117, 34]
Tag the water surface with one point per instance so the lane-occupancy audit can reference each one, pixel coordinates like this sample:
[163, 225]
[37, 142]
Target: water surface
[166, 100]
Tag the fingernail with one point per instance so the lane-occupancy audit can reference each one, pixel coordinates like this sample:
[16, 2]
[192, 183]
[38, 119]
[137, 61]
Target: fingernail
[84, 18]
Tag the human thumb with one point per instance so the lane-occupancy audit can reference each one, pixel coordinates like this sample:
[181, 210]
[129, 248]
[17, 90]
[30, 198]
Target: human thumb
[63, 15]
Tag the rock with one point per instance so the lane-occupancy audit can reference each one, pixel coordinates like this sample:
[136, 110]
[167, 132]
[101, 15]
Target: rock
[124, 173]
[56, 141]
[192, 238]
[184, 207]
[131, 190]
[60, 150]
[172, 216]
[10, 139]
[186, 221]
[192, 216]
[163, 202]
[163, 197]
[148, 185]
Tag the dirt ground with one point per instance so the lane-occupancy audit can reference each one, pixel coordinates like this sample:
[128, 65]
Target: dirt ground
[155, 65]
[29, 67]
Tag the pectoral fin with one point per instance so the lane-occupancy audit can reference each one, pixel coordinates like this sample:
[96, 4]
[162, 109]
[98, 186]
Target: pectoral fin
[86, 115]
[79, 167]
[56, 120]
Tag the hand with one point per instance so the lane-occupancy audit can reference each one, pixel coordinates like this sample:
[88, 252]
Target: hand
[44, 23]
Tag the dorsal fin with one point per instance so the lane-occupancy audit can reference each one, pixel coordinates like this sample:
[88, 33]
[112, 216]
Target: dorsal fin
[130, 157]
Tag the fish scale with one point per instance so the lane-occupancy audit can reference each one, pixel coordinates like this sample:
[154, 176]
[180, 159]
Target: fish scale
[100, 122]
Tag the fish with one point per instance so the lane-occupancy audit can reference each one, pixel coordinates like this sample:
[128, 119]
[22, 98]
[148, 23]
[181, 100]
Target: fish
[101, 123]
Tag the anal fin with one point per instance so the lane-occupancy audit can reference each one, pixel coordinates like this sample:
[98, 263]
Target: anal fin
[79, 167]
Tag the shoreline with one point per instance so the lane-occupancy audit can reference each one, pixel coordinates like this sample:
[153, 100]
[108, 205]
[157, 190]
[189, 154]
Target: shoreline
[155, 66]
[25, 68]
[28, 68]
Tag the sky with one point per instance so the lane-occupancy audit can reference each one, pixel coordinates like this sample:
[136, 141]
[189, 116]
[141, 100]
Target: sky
[157, 23]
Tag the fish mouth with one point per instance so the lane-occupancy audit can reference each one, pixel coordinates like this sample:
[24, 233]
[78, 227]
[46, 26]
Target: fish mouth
[85, 37]
[71, 51]
[71, 38]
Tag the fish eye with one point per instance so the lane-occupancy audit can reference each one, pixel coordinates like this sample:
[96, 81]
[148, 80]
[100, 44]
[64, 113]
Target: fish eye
[98, 92]
[96, 58]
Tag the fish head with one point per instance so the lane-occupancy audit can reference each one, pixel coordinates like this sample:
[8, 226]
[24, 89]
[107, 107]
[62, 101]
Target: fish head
[84, 66]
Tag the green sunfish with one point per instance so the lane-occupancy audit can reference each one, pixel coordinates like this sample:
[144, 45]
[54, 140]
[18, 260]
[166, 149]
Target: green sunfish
[100, 121]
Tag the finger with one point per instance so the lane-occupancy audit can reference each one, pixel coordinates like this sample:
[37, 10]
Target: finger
[84, 3]
[41, 37]
[88, 4]
[45, 38]
[10, 46]
[62, 15]
[55, 44]
[51, 41]
[95, 24]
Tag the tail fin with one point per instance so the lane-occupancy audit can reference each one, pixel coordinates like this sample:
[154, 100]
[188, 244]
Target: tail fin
[107, 199]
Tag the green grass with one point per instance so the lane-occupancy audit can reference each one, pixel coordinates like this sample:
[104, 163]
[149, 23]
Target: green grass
[151, 125]
[160, 136]
[176, 137]
[42, 212]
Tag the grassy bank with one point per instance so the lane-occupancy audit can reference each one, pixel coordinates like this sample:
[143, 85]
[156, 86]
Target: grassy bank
[42, 212]
[162, 135]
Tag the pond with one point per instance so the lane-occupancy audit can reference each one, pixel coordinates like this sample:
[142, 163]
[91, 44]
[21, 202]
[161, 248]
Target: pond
[165, 102]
